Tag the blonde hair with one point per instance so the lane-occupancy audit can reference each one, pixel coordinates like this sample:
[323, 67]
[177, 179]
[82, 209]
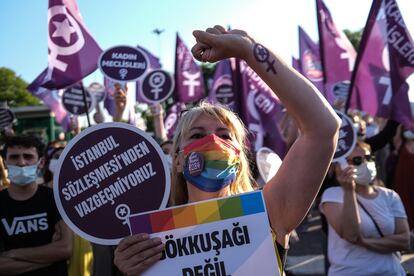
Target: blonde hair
[243, 181]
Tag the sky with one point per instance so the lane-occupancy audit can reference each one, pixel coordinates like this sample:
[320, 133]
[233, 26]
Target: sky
[23, 31]
[273, 23]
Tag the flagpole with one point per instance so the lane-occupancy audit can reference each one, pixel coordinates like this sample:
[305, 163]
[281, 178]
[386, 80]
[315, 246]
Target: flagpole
[86, 104]
[158, 32]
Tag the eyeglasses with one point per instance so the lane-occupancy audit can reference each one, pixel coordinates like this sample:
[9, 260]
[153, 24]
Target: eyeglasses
[357, 160]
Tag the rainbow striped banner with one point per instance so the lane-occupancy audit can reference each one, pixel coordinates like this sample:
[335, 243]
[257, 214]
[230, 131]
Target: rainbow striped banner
[222, 236]
[197, 213]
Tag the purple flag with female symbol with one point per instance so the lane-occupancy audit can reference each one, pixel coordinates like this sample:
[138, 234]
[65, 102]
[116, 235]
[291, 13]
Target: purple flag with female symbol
[385, 61]
[260, 111]
[310, 61]
[337, 54]
[154, 63]
[189, 82]
[73, 53]
[222, 89]
[53, 100]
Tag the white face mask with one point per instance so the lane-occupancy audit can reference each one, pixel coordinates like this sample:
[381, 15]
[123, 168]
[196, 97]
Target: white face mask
[22, 176]
[52, 165]
[408, 134]
[365, 173]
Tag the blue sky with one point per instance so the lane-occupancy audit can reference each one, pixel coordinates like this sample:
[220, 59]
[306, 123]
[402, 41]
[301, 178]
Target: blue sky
[23, 24]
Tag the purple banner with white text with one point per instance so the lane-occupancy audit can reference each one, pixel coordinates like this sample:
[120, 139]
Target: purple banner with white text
[260, 111]
[385, 62]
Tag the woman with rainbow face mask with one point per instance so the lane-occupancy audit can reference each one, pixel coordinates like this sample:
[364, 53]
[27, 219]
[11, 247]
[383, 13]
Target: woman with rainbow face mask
[210, 156]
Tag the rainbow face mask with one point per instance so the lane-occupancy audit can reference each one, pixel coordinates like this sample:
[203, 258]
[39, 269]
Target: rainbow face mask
[211, 163]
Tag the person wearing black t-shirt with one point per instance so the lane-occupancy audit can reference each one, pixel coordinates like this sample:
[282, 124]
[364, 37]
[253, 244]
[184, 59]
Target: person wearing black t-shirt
[34, 240]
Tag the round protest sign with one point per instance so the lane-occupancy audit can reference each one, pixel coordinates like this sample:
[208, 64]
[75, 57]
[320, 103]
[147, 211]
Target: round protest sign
[268, 163]
[73, 101]
[97, 90]
[6, 117]
[123, 63]
[346, 138]
[223, 89]
[157, 86]
[105, 174]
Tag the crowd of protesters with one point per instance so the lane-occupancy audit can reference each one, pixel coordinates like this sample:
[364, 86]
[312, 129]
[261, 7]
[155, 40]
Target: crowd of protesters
[368, 206]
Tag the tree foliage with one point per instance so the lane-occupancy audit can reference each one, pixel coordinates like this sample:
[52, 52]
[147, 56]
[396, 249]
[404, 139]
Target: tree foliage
[208, 73]
[13, 89]
[354, 37]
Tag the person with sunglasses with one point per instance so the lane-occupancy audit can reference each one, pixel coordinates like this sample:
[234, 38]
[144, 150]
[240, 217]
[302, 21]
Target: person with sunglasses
[289, 194]
[367, 223]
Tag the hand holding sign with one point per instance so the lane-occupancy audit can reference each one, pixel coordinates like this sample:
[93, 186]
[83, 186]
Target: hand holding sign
[120, 96]
[226, 236]
[104, 174]
[346, 177]
[149, 251]
[6, 118]
[120, 101]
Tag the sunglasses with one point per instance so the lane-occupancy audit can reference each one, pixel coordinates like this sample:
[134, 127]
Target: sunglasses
[358, 160]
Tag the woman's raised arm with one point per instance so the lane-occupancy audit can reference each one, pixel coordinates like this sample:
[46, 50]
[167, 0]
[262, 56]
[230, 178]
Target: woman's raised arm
[291, 192]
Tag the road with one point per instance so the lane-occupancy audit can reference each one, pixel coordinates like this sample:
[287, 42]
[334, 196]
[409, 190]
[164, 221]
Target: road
[305, 257]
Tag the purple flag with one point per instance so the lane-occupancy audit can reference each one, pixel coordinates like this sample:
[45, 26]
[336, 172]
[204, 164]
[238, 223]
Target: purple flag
[385, 61]
[73, 53]
[53, 100]
[296, 64]
[337, 54]
[154, 63]
[222, 88]
[310, 61]
[109, 102]
[260, 111]
[171, 120]
[189, 83]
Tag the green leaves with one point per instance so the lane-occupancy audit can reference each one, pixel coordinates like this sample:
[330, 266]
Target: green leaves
[13, 89]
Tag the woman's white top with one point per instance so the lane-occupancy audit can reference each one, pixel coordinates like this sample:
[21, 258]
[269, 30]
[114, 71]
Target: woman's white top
[350, 259]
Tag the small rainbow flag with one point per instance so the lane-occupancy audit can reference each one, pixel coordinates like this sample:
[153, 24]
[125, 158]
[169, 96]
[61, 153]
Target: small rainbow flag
[197, 213]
